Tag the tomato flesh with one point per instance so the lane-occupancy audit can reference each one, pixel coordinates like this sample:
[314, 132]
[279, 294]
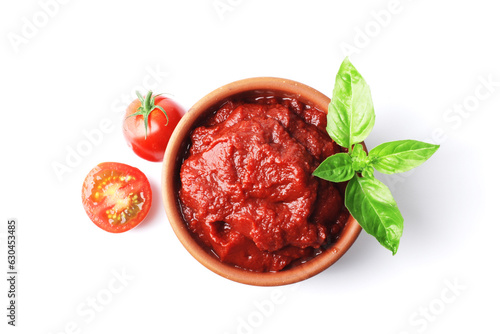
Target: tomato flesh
[116, 197]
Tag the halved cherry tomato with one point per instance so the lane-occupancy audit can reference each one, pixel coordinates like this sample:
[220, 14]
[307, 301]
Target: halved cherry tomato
[149, 123]
[116, 196]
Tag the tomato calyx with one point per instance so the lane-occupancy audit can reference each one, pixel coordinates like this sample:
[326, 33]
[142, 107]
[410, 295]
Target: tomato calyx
[147, 106]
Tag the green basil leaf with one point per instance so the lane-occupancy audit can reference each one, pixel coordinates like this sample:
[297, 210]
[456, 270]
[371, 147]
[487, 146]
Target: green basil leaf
[358, 152]
[368, 172]
[361, 163]
[336, 168]
[401, 155]
[350, 115]
[371, 203]
[359, 158]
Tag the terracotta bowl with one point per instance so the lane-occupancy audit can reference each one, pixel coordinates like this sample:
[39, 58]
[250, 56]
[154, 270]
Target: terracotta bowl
[170, 183]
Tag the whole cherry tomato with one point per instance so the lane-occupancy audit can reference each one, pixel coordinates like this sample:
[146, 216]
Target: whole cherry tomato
[149, 123]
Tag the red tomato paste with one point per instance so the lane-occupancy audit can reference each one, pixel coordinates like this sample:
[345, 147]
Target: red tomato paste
[247, 189]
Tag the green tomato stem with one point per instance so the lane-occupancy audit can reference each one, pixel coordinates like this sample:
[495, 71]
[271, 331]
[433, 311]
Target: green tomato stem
[146, 107]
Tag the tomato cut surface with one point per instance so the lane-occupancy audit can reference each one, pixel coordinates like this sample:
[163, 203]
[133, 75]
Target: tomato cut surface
[116, 197]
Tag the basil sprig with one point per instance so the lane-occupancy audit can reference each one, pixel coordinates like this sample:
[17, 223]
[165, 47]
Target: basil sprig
[350, 119]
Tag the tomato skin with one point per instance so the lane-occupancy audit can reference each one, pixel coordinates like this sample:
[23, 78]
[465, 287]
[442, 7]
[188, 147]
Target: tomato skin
[151, 147]
[108, 196]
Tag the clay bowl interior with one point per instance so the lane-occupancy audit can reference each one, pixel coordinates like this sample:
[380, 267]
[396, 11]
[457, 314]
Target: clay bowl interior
[170, 183]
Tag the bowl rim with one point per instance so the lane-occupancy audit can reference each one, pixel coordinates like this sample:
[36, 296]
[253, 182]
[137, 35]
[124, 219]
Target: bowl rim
[215, 98]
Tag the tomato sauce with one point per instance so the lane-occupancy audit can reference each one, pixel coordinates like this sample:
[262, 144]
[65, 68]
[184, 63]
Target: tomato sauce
[247, 190]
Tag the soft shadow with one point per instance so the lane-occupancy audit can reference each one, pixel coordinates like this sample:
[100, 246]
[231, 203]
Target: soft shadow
[157, 212]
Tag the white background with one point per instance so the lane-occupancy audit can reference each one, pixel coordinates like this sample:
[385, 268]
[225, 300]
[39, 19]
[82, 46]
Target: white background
[63, 74]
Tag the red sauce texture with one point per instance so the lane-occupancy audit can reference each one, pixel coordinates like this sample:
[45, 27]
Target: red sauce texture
[247, 190]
